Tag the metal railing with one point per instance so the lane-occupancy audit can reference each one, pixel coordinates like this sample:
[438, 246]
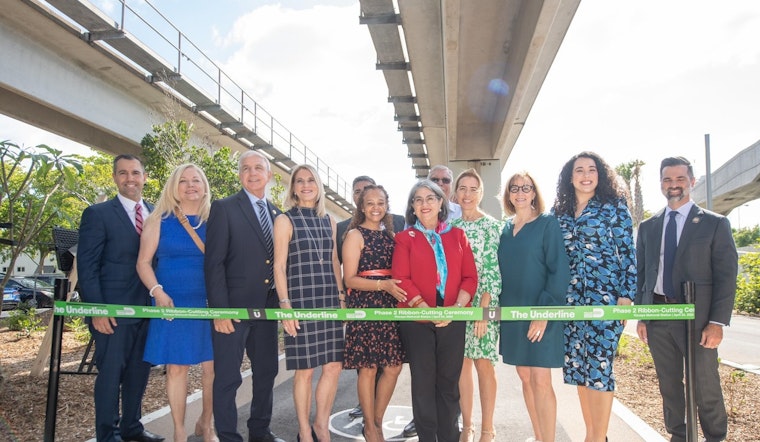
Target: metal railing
[160, 36]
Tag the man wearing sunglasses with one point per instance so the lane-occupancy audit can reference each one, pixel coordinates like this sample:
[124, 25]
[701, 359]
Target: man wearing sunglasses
[443, 177]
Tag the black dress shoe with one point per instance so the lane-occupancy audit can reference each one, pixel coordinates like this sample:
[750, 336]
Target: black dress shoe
[271, 437]
[410, 430]
[145, 436]
[356, 412]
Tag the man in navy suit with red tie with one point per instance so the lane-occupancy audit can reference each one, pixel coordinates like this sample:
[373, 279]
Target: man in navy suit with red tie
[684, 242]
[238, 269]
[109, 240]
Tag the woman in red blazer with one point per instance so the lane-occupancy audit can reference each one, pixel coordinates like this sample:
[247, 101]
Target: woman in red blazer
[436, 268]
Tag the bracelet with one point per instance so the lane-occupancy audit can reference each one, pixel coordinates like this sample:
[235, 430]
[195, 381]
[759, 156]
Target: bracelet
[415, 304]
[157, 286]
[378, 285]
[285, 301]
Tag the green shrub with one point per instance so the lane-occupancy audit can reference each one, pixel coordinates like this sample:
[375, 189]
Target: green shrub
[748, 284]
[24, 320]
[78, 326]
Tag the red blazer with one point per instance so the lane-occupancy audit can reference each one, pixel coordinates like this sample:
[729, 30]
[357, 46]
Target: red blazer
[414, 265]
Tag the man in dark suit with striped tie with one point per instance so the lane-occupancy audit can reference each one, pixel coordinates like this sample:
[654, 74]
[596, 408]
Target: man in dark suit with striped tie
[684, 242]
[109, 240]
[238, 269]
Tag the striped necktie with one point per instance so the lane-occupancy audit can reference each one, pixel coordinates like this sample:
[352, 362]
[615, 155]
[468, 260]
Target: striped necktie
[266, 225]
[138, 218]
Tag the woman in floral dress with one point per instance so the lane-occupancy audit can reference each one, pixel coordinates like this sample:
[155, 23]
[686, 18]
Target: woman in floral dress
[598, 234]
[372, 345]
[481, 337]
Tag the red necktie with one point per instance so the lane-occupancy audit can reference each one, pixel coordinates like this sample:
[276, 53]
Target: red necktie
[138, 218]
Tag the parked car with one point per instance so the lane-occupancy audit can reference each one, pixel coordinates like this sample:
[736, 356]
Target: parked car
[48, 278]
[34, 293]
[11, 298]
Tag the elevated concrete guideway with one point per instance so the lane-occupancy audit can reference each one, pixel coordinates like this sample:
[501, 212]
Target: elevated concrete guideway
[463, 75]
[734, 183]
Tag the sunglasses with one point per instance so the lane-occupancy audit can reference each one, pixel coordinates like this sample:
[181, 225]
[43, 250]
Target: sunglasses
[441, 180]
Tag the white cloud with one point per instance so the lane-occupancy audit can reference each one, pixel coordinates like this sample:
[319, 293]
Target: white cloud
[644, 80]
[313, 69]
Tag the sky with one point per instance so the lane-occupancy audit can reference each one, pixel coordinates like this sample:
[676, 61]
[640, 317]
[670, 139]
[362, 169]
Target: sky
[632, 80]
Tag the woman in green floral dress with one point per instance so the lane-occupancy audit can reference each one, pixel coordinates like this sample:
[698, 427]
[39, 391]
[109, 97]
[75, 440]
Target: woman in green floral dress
[481, 337]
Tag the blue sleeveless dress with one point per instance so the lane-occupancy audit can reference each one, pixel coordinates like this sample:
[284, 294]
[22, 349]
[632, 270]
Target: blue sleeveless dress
[179, 268]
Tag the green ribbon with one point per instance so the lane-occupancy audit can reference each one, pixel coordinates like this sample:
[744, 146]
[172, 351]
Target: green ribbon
[584, 313]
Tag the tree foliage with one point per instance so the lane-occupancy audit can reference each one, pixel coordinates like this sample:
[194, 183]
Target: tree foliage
[31, 200]
[630, 172]
[746, 236]
[748, 284]
[167, 146]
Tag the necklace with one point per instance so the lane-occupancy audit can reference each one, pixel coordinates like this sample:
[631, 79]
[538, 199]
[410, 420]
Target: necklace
[477, 216]
[200, 222]
[308, 232]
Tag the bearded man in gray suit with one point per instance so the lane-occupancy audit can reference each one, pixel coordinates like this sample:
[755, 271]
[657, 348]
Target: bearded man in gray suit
[702, 251]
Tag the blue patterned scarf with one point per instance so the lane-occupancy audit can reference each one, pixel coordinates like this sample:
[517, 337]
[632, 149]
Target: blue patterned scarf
[434, 238]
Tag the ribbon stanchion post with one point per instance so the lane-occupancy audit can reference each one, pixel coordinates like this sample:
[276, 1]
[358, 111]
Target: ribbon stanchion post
[691, 396]
[61, 289]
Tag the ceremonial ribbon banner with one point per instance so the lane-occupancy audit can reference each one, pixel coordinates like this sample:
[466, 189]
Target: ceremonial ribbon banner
[586, 313]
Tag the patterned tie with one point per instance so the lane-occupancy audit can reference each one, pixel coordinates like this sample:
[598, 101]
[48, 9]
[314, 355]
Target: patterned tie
[138, 218]
[261, 206]
[266, 227]
[669, 256]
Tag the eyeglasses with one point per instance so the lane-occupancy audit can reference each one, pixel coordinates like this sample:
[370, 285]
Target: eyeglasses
[430, 200]
[441, 180]
[526, 188]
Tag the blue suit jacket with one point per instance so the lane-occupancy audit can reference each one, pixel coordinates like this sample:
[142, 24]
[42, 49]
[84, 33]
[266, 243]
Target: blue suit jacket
[107, 257]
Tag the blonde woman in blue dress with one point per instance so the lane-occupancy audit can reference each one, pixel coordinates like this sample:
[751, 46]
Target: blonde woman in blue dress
[481, 337]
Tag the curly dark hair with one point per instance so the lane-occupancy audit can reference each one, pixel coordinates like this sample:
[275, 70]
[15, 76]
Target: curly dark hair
[359, 216]
[607, 189]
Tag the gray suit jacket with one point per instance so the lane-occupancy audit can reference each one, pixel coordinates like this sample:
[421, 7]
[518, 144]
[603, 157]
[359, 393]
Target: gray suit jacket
[706, 254]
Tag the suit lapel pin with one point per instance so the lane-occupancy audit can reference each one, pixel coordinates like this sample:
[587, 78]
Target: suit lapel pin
[695, 220]
[411, 234]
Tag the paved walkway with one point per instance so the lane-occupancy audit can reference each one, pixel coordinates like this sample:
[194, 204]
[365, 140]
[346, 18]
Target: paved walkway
[512, 423]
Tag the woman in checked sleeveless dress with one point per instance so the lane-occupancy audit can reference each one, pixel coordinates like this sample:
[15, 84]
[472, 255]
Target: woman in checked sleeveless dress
[307, 276]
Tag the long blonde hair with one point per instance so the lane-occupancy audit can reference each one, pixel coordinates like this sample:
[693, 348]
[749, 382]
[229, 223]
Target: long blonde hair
[292, 199]
[169, 199]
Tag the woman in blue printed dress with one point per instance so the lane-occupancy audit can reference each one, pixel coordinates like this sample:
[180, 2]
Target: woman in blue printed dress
[598, 234]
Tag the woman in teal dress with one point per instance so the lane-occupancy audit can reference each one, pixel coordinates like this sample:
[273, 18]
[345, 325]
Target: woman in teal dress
[534, 272]
[178, 281]
[481, 337]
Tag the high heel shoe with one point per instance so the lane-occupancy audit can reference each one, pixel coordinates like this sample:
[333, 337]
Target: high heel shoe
[487, 436]
[314, 435]
[466, 435]
[208, 433]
